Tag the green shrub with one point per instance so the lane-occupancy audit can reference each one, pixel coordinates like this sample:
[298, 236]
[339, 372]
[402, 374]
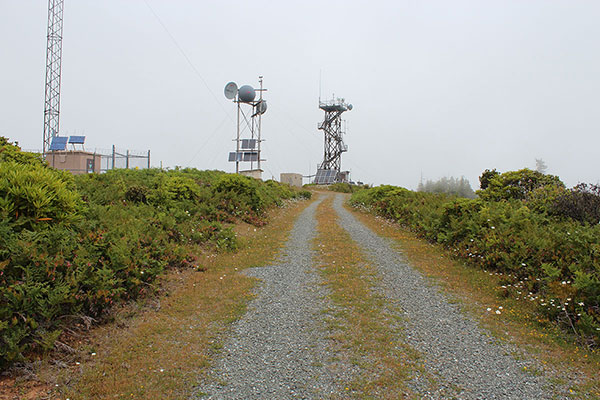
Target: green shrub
[511, 229]
[78, 245]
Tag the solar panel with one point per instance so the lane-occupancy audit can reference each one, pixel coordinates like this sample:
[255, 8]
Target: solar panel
[248, 143]
[233, 156]
[325, 176]
[77, 140]
[58, 143]
[250, 156]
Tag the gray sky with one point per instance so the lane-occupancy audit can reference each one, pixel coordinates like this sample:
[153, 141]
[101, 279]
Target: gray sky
[440, 88]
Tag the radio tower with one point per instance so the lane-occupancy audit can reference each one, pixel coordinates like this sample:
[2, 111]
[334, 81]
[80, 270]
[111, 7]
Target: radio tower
[53, 71]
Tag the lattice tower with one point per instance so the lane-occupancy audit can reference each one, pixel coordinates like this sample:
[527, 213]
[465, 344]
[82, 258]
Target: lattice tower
[53, 71]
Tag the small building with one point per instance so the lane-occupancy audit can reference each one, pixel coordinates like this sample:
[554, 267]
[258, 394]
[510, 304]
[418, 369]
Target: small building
[253, 173]
[77, 162]
[291, 179]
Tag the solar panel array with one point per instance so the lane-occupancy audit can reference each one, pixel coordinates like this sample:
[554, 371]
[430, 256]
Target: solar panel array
[77, 139]
[233, 156]
[248, 143]
[243, 156]
[58, 143]
[325, 176]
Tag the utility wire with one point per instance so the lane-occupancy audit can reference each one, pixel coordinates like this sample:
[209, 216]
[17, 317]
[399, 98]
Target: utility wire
[212, 135]
[183, 53]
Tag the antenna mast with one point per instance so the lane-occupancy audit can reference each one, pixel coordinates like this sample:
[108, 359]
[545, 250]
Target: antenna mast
[53, 71]
[248, 150]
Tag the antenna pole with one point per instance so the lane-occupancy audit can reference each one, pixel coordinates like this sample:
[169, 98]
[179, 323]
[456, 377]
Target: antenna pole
[319, 86]
[237, 140]
[260, 79]
[53, 71]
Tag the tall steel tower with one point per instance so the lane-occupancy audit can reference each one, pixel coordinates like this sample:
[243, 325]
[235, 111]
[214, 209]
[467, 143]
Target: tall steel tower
[329, 170]
[53, 71]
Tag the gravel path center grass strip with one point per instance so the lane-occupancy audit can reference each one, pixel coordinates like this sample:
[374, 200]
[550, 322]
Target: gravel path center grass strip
[162, 354]
[360, 321]
[564, 363]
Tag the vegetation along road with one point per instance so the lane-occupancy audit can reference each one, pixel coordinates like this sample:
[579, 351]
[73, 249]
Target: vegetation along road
[190, 284]
[302, 340]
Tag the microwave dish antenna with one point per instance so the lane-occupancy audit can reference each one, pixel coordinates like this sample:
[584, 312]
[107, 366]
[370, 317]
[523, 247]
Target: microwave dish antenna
[231, 90]
[246, 94]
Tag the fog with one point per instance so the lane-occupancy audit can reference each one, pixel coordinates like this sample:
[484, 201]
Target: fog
[439, 88]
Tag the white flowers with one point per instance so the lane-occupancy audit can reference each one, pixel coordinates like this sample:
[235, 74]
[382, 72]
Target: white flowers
[498, 312]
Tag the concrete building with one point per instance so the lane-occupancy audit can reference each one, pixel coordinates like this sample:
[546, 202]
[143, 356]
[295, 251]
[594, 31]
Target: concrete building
[76, 162]
[291, 179]
[253, 173]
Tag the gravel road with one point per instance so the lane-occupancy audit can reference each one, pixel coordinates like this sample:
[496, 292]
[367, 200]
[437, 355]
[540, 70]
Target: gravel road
[466, 362]
[279, 349]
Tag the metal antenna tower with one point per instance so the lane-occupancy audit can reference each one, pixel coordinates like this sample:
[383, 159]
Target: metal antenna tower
[329, 170]
[248, 150]
[53, 71]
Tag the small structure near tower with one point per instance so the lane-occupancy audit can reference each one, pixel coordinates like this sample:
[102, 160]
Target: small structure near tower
[329, 171]
[249, 124]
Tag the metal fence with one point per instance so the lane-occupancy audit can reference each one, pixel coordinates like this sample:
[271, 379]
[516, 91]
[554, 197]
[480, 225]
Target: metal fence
[128, 159]
[116, 158]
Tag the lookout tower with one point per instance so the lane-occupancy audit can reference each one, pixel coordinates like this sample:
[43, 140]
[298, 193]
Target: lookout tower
[329, 171]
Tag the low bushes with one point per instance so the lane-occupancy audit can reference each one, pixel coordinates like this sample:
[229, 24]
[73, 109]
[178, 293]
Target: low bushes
[342, 187]
[521, 227]
[75, 246]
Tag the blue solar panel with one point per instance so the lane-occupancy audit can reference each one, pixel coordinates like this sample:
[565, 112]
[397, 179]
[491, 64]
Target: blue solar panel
[248, 143]
[77, 139]
[233, 156]
[325, 176]
[58, 143]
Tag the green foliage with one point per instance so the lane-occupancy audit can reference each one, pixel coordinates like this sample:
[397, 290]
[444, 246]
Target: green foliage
[342, 187]
[582, 203]
[11, 152]
[33, 193]
[78, 245]
[515, 184]
[512, 229]
[486, 177]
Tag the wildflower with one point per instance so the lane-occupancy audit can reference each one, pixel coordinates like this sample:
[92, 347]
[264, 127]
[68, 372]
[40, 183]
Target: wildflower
[489, 309]
[498, 312]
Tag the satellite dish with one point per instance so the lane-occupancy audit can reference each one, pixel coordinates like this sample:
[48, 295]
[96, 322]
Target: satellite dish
[231, 90]
[349, 106]
[261, 107]
[246, 94]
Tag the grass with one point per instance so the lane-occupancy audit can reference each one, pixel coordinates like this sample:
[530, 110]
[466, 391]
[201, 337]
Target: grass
[363, 325]
[477, 290]
[165, 350]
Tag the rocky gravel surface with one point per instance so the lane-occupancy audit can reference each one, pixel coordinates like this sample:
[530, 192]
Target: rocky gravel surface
[465, 362]
[279, 349]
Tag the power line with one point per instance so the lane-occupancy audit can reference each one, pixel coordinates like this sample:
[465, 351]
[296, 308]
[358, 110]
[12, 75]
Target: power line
[183, 53]
[212, 135]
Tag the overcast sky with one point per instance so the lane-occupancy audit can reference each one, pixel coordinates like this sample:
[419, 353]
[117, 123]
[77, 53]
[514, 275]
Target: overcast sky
[439, 88]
